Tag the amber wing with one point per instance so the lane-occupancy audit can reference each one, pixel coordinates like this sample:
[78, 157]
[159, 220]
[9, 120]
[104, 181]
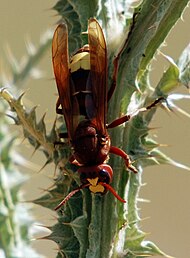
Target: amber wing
[60, 58]
[98, 73]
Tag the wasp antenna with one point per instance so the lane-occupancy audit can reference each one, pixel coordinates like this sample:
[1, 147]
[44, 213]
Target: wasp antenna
[112, 191]
[67, 198]
[70, 195]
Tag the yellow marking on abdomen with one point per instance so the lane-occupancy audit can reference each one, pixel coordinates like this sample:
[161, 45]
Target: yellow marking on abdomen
[80, 61]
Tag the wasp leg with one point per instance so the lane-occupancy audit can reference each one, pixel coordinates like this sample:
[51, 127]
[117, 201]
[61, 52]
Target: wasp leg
[119, 121]
[156, 102]
[121, 153]
[126, 118]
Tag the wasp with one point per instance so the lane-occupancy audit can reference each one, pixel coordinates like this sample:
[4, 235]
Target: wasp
[83, 99]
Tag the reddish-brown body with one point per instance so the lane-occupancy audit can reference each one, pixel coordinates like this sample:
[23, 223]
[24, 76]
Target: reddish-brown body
[90, 146]
[83, 96]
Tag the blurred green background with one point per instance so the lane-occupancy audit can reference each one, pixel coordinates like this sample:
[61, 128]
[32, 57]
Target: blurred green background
[167, 217]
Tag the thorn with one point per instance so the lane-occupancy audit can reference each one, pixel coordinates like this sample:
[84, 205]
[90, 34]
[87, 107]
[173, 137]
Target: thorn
[36, 148]
[47, 162]
[19, 99]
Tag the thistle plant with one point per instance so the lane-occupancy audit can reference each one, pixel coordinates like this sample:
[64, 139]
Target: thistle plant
[99, 226]
[17, 221]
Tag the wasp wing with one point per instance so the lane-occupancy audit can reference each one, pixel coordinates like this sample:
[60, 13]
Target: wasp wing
[98, 74]
[60, 58]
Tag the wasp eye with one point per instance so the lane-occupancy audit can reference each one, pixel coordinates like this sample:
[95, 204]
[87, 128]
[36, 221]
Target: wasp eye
[104, 176]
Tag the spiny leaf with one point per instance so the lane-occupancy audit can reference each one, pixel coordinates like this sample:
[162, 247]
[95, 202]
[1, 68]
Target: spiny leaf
[153, 20]
[41, 125]
[14, 218]
[64, 233]
[56, 193]
[168, 12]
[28, 121]
[184, 66]
[173, 97]
[147, 249]
[170, 79]
[76, 13]
[31, 116]
[15, 221]
[79, 227]
[30, 61]
[161, 158]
